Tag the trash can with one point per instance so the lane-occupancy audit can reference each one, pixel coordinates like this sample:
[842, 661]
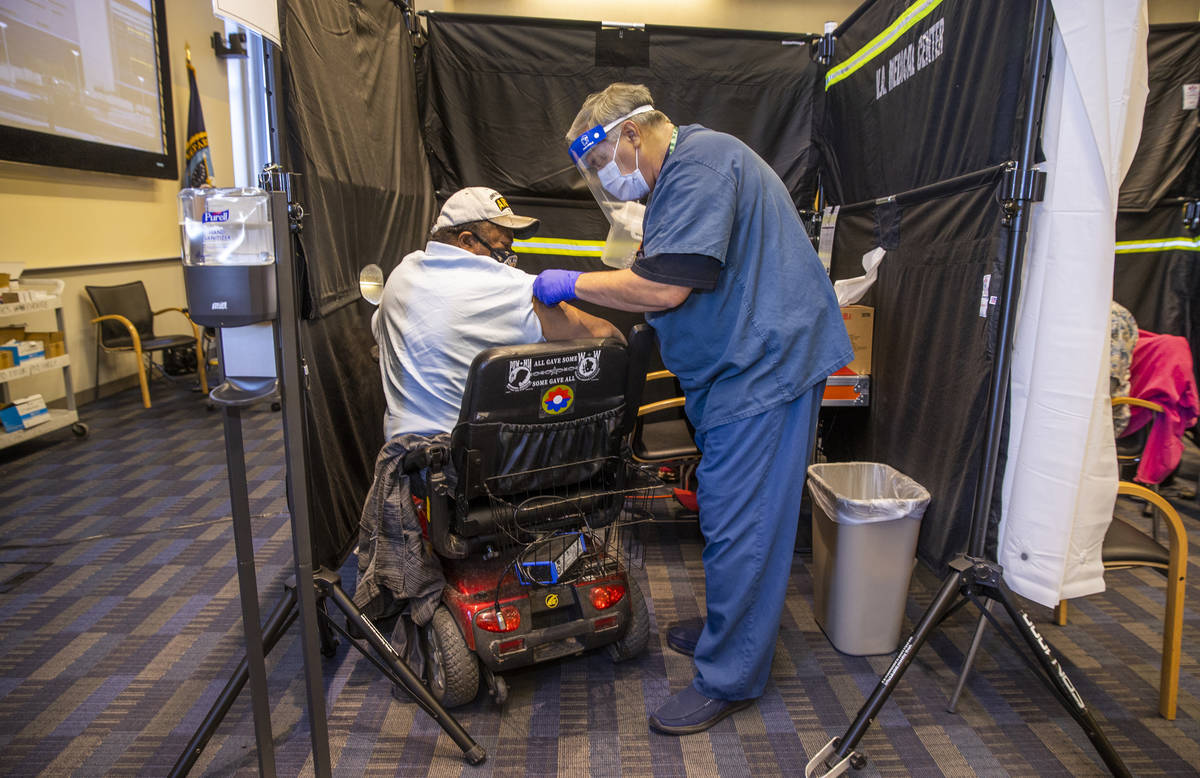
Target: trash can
[866, 517]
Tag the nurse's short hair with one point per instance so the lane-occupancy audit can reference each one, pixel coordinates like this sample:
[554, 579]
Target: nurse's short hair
[612, 103]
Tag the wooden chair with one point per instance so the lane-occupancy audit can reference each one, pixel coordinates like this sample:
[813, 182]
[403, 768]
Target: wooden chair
[1127, 546]
[1130, 448]
[125, 322]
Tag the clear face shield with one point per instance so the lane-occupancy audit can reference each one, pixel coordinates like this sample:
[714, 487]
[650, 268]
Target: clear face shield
[616, 191]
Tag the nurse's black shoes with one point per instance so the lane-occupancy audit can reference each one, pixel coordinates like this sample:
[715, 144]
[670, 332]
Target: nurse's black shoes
[682, 637]
[688, 712]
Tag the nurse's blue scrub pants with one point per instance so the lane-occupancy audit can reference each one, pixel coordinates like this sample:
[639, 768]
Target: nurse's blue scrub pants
[751, 477]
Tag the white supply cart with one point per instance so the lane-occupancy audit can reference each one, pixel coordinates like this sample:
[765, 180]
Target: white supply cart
[59, 418]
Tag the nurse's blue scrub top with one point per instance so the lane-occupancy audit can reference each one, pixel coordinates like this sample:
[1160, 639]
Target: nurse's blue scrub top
[771, 328]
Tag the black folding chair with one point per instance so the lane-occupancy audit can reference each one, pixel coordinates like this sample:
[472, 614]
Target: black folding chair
[126, 324]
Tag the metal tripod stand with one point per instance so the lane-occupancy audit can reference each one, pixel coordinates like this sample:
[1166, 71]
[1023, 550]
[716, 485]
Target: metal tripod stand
[308, 601]
[328, 587]
[973, 578]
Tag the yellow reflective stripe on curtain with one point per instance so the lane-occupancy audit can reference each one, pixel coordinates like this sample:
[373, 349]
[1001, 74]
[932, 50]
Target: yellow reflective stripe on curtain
[1163, 244]
[877, 45]
[566, 246]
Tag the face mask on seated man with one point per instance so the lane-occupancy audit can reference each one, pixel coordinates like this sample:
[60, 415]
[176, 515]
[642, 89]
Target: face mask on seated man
[459, 295]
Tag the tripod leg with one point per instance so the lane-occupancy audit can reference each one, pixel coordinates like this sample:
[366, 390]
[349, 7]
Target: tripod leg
[328, 639]
[1067, 693]
[277, 624]
[332, 589]
[841, 751]
[969, 660]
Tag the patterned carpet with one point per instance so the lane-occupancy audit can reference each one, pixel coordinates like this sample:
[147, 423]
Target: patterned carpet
[121, 623]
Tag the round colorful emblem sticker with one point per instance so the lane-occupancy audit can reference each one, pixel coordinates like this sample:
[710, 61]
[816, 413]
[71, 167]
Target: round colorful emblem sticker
[557, 399]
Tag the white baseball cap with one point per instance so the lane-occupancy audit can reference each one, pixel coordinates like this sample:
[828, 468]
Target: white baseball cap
[477, 204]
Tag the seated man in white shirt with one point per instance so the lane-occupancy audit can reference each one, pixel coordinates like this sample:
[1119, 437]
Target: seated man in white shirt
[461, 294]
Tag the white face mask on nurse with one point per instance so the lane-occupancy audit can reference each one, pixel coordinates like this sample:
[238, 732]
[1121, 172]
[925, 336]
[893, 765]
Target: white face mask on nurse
[623, 186]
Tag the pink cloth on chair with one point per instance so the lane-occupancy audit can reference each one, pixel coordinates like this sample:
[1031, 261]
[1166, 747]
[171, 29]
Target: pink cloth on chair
[1161, 372]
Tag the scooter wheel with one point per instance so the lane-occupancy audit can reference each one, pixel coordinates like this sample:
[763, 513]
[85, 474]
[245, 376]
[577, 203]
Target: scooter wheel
[633, 642]
[453, 671]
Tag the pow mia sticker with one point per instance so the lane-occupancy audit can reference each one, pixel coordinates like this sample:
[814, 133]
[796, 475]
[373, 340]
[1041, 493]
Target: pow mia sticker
[520, 375]
[541, 374]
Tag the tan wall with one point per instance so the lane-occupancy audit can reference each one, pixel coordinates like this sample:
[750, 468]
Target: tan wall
[75, 225]
[775, 15]
[1166, 11]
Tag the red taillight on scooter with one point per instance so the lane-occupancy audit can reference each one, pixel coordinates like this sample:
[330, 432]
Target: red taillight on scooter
[606, 595]
[508, 619]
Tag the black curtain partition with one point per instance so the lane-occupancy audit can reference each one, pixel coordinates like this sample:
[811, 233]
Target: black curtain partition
[1156, 274]
[917, 98]
[923, 106]
[500, 93]
[353, 136]
[932, 359]
[1167, 162]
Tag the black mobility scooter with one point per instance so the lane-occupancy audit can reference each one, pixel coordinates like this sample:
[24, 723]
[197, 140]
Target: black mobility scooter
[528, 511]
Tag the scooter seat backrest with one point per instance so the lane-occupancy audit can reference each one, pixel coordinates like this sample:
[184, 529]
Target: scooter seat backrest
[544, 405]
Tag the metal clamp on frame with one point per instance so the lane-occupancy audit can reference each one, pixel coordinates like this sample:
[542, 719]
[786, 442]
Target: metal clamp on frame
[821, 47]
[274, 178]
[1191, 215]
[1020, 186]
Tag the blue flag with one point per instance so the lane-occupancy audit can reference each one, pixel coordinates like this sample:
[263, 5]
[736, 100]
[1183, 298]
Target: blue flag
[197, 159]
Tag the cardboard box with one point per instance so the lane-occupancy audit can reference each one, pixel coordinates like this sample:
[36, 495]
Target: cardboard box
[860, 326]
[4, 279]
[24, 413]
[6, 359]
[12, 332]
[24, 350]
[45, 337]
[52, 342]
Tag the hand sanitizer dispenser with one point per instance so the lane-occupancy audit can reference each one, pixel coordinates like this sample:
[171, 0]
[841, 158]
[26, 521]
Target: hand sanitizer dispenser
[228, 256]
[229, 273]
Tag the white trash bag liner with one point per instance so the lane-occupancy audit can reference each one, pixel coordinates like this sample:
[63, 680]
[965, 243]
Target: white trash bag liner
[865, 492]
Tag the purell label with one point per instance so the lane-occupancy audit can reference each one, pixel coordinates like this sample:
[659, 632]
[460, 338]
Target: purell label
[216, 216]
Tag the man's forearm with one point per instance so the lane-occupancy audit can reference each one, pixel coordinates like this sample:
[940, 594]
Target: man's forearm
[563, 321]
[627, 291]
[597, 327]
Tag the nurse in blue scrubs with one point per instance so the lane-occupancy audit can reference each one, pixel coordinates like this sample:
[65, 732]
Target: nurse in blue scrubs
[747, 319]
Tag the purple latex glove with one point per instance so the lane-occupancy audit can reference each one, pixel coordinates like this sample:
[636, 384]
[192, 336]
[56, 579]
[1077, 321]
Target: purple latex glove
[555, 286]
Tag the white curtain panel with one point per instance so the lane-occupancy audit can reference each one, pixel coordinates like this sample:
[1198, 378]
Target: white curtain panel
[1061, 477]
